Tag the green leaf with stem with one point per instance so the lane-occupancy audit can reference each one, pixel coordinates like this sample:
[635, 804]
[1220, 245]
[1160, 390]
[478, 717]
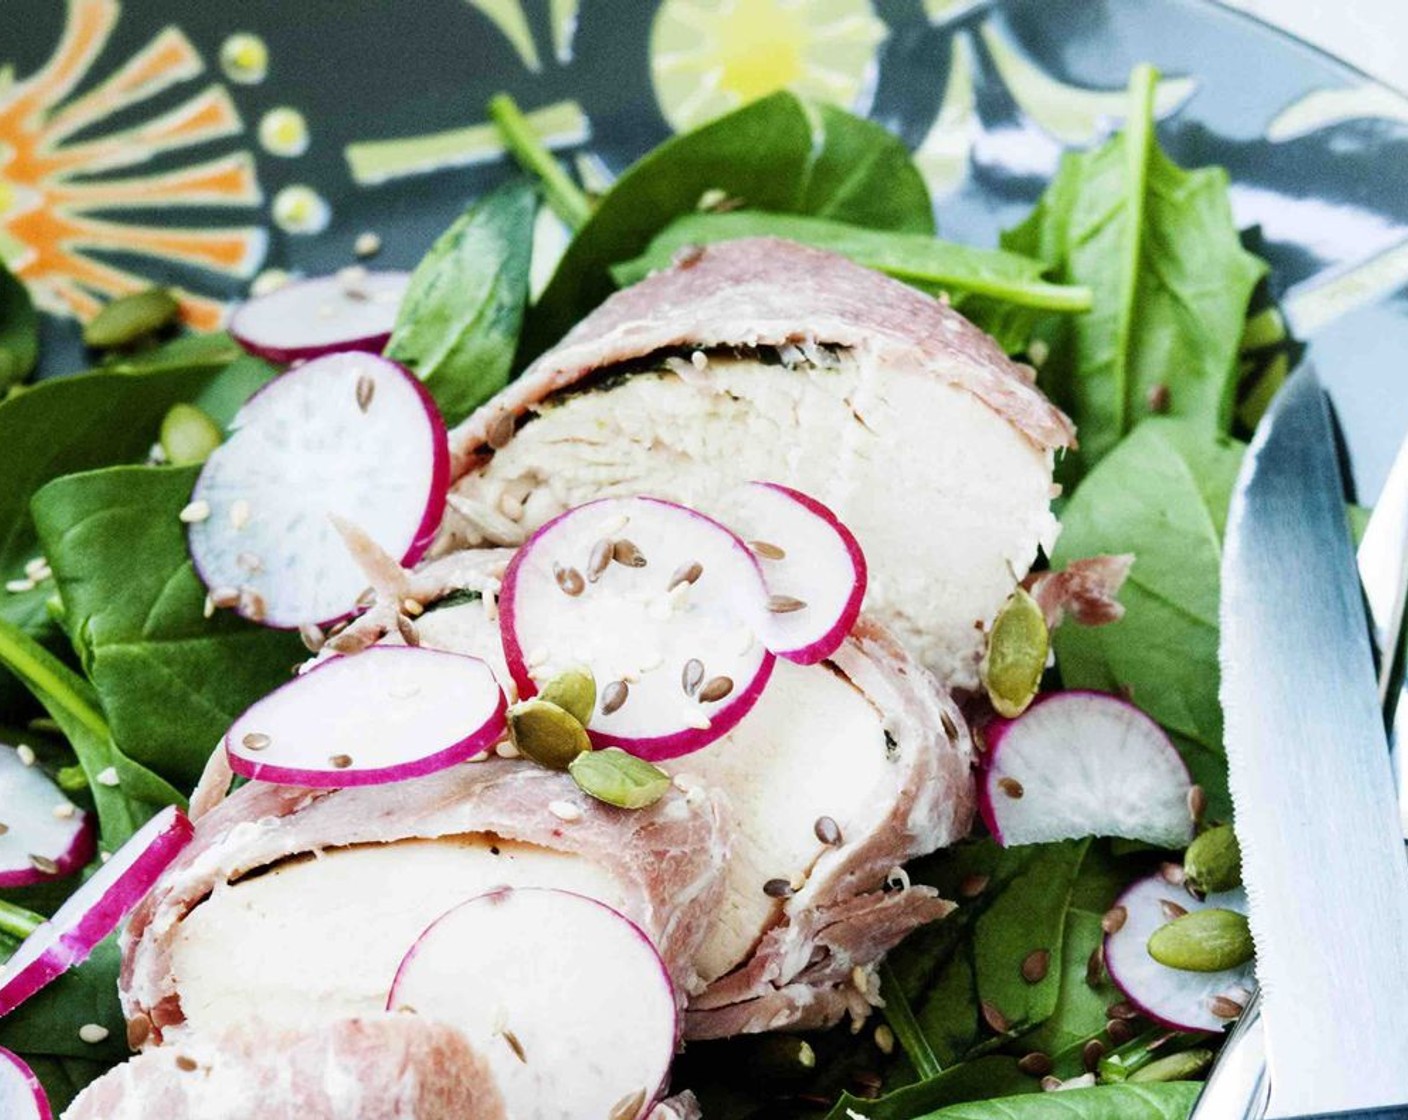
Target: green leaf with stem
[568, 201]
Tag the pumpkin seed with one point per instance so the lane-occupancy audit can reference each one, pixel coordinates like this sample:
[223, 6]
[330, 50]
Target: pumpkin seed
[1203, 941]
[1214, 861]
[1184, 1066]
[130, 319]
[188, 435]
[1016, 655]
[618, 778]
[546, 733]
[574, 691]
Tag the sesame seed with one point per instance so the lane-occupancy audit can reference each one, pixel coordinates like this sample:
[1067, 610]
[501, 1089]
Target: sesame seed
[340, 761]
[1114, 919]
[1172, 873]
[312, 636]
[564, 811]
[103, 857]
[44, 864]
[859, 980]
[1035, 966]
[16, 586]
[368, 244]
[207, 609]
[884, 1039]
[256, 741]
[239, 513]
[685, 575]
[613, 525]
[778, 888]
[92, 1033]
[1011, 787]
[352, 279]
[407, 629]
[599, 558]
[412, 607]
[252, 605]
[108, 777]
[715, 689]
[26, 753]
[785, 604]
[506, 749]
[194, 512]
[185, 1064]
[613, 696]
[139, 1029]
[699, 359]
[366, 390]
[38, 569]
[827, 831]
[628, 1107]
[767, 550]
[65, 811]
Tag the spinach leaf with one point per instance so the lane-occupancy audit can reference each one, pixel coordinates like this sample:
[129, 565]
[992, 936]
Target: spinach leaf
[1079, 1014]
[170, 680]
[1162, 495]
[1171, 1100]
[981, 1079]
[19, 330]
[1172, 282]
[73, 705]
[459, 324]
[779, 154]
[48, 1023]
[64, 1078]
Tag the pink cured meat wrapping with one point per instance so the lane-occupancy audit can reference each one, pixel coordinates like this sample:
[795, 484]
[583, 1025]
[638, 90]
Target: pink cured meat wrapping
[668, 857]
[771, 292]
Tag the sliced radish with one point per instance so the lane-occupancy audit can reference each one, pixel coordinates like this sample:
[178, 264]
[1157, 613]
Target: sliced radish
[95, 909]
[568, 1000]
[1084, 764]
[1184, 1001]
[659, 602]
[353, 310]
[382, 715]
[811, 563]
[43, 834]
[21, 1095]
[349, 435]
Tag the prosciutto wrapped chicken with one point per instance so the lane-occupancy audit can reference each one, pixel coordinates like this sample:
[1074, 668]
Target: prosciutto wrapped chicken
[763, 359]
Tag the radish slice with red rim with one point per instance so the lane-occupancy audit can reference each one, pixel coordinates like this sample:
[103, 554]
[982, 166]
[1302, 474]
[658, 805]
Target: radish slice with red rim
[353, 310]
[95, 909]
[1172, 997]
[351, 436]
[383, 715]
[1079, 764]
[567, 1000]
[21, 1095]
[812, 564]
[43, 835]
[659, 602]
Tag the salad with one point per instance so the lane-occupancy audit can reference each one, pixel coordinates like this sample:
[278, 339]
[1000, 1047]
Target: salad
[768, 669]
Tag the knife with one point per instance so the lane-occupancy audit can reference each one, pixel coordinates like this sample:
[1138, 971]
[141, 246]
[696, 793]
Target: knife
[1312, 790]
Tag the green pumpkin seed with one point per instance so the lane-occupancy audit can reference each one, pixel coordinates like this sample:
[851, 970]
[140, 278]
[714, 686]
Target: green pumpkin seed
[130, 319]
[1203, 941]
[1183, 1066]
[546, 733]
[618, 778]
[188, 435]
[1016, 655]
[574, 692]
[1213, 861]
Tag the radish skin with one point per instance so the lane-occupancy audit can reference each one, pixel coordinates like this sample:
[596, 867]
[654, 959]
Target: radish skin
[21, 1095]
[306, 319]
[40, 824]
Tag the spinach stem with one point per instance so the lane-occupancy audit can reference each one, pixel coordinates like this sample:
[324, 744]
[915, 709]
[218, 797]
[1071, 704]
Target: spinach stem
[568, 201]
[1138, 140]
[908, 1033]
[21, 661]
[18, 922]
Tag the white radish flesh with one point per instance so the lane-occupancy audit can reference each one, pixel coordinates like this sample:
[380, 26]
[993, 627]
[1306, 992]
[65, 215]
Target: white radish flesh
[1172, 997]
[353, 310]
[21, 1095]
[95, 909]
[568, 1000]
[348, 436]
[813, 567]
[386, 714]
[667, 628]
[43, 834]
[1080, 764]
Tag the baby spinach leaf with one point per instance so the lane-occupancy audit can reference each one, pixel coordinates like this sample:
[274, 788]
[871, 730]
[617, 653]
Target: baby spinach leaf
[1171, 1100]
[1079, 1013]
[1172, 282]
[48, 1023]
[171, 680]
[779, 154]
[19, 330]
[994, 1076]
[459, 323]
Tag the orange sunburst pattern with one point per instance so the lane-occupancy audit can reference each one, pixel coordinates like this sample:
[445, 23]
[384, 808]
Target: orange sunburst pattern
[49, 199]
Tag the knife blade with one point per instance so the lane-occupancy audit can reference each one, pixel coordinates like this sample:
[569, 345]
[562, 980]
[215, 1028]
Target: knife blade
[1312, 791]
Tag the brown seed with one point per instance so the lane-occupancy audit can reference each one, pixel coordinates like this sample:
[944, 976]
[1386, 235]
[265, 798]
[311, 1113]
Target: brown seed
[767, 550]
[139, 1030]
[44, 864]
[341, 761]
[994, 1018]
[1122, 1009]
[256, 741]
[950, 728]
[224, 597]
[599, 558]
[1114, 919]
[1172, 874]
[628, 1107]
[569, 579]
[252, 605]
[1197, 803]
[972, 886]
[715, 689]
[186, 1064]
[367, 597]
[777, 888]
[867, 1084]
[625, 552]
[366, 389]
[1224, 1007]
[1171, 910]
[784, 604]
[827, 831]
[685, 573]
[1011, 787]
[691, 676]
[1120, 1031]
[613, 696]
[1091, 1053]
[1095, 966]
[1050, 1084]
[515, 1046]
[312, 636]
[407, 629]
[500, 431]
[1036, 965]
[1158, 398]
[4, 828]
[1036, 1064]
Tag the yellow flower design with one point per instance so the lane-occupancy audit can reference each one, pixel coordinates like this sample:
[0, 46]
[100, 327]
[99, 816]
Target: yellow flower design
[708, 57]
[48, 192]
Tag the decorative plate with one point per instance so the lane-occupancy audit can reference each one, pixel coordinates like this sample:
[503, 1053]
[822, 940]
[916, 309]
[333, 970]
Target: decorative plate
[200, 144]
